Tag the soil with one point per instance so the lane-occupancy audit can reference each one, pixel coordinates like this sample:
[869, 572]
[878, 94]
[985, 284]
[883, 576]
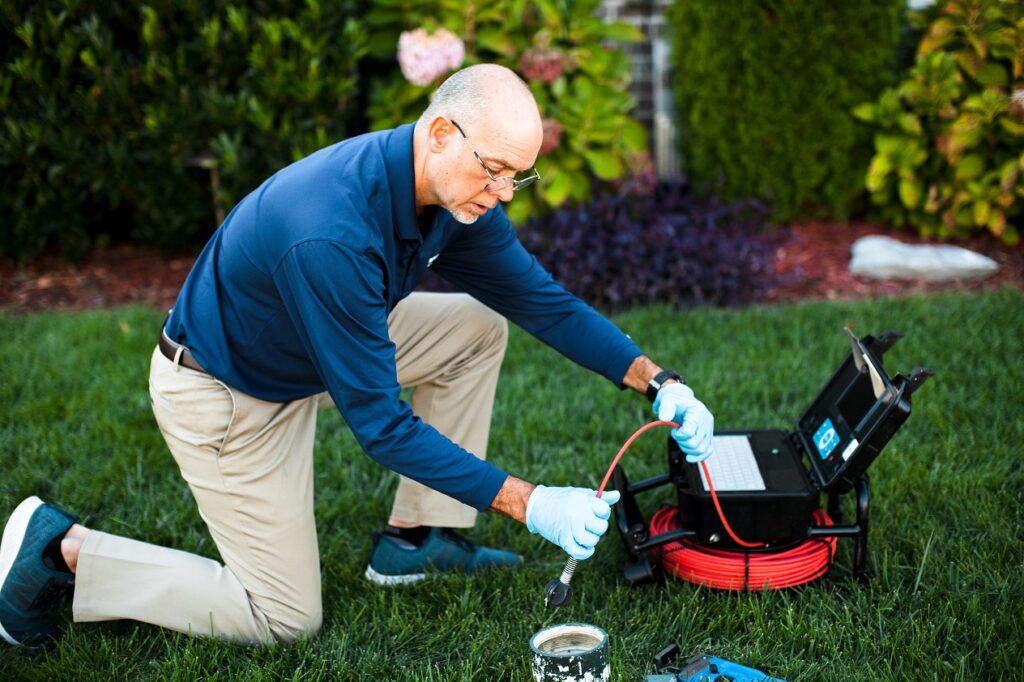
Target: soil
[813, 259]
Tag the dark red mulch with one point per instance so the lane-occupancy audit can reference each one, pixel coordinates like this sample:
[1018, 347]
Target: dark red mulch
[107, 277]
[817, 255]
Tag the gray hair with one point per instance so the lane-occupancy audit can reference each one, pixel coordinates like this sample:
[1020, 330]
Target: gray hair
[463, 96]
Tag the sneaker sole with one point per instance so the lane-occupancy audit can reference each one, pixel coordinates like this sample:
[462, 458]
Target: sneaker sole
[14, 535]
[392, 580]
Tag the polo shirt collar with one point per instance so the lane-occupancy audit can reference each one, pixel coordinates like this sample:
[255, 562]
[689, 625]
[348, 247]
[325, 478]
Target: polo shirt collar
[401, 182]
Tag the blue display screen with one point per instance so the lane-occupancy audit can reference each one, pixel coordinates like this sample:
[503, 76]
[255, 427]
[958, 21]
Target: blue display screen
[826, 439]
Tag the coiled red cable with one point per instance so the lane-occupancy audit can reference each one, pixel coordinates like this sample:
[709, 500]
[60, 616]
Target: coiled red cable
[740, 569]
[752, 570]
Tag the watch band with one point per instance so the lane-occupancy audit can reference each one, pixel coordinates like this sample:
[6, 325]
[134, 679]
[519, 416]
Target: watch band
[656, 382]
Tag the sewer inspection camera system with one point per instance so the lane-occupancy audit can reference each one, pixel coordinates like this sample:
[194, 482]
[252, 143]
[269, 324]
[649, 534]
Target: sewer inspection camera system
[752, 520]
[771, 533]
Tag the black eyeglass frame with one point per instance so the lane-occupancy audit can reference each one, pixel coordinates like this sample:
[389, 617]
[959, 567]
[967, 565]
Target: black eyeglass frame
[497, 185]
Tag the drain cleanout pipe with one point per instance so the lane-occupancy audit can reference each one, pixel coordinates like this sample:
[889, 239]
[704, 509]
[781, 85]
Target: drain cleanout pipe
[571, 652]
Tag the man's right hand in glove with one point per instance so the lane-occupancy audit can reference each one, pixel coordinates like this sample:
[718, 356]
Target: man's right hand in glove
[572, 518]
[695, 434]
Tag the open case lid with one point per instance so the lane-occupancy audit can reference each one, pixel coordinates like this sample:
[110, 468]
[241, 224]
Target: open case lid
[856, 413]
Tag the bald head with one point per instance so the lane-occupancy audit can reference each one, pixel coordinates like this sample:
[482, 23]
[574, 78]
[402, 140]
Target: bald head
[499, 134]
[485, 91]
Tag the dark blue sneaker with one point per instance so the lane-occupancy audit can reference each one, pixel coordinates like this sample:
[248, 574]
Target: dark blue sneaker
[28, 587]
[397, 562]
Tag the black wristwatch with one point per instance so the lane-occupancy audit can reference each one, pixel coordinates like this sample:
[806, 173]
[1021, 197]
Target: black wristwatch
[659, 379]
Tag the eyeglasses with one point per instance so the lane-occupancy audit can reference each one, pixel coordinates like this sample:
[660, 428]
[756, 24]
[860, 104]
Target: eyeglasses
[497, 185]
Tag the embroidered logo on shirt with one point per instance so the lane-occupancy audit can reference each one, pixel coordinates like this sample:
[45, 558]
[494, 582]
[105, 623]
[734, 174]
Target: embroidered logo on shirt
[431, 260]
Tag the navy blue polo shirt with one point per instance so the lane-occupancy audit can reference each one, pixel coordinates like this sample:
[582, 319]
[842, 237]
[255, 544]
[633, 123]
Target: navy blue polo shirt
[291, 298]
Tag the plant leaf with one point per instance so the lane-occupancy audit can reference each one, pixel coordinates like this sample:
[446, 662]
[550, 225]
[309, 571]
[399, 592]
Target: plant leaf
[634, 135]
[982, 210]
[910, 123]
[605, 164]
[910, 190]
[970, 167]
[557, 191]
[865, 112]
[878, 173]
[622, 32]
[992, 74]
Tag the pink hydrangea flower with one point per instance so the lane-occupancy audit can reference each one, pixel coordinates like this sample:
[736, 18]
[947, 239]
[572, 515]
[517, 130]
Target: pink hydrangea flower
[423, 57]
[552, 135]
[542, 64]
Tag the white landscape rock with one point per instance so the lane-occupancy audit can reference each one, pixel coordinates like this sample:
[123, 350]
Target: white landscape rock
[881, 257]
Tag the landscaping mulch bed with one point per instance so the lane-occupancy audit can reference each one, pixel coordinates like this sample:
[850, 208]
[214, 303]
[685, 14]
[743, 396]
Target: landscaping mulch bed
[817, 258]
[813, 260]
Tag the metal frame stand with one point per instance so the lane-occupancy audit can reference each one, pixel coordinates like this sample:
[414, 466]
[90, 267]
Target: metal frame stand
[635, 530]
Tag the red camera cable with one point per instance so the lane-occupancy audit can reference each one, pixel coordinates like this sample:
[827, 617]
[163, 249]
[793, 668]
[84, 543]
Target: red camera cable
[744, 569]
[726, 569]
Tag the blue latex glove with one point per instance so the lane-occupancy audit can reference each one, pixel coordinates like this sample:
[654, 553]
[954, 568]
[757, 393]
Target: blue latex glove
[572, 518]
[675, 403]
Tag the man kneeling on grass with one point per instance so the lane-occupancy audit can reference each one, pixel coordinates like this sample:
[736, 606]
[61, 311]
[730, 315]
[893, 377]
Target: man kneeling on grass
[302, 300]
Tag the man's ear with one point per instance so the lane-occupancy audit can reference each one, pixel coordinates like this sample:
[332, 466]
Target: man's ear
[439, 132]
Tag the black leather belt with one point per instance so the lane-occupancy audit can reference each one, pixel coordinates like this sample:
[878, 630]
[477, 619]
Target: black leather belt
[171, 350]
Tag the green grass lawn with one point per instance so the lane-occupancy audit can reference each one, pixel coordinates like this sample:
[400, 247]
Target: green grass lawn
[946, 598]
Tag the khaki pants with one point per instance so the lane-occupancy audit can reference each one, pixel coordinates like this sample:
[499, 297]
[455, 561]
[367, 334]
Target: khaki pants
[249, 464]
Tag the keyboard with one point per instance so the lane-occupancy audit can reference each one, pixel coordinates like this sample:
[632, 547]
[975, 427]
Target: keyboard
[732, 466]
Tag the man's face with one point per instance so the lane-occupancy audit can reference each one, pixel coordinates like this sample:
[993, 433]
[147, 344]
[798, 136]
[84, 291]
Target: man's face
[502, 151]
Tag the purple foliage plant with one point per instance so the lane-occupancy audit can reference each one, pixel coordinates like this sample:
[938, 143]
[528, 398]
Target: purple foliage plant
[665, 246]
[661, 244]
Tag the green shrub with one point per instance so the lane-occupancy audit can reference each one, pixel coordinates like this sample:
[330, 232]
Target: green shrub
[949, 142]
[764, 89]
[124, 120]
[561, 49]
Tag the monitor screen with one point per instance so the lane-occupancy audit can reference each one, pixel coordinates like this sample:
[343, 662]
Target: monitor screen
[856, 401]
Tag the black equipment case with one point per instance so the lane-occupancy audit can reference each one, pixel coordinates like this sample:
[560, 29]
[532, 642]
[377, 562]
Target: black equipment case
[840, 434]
